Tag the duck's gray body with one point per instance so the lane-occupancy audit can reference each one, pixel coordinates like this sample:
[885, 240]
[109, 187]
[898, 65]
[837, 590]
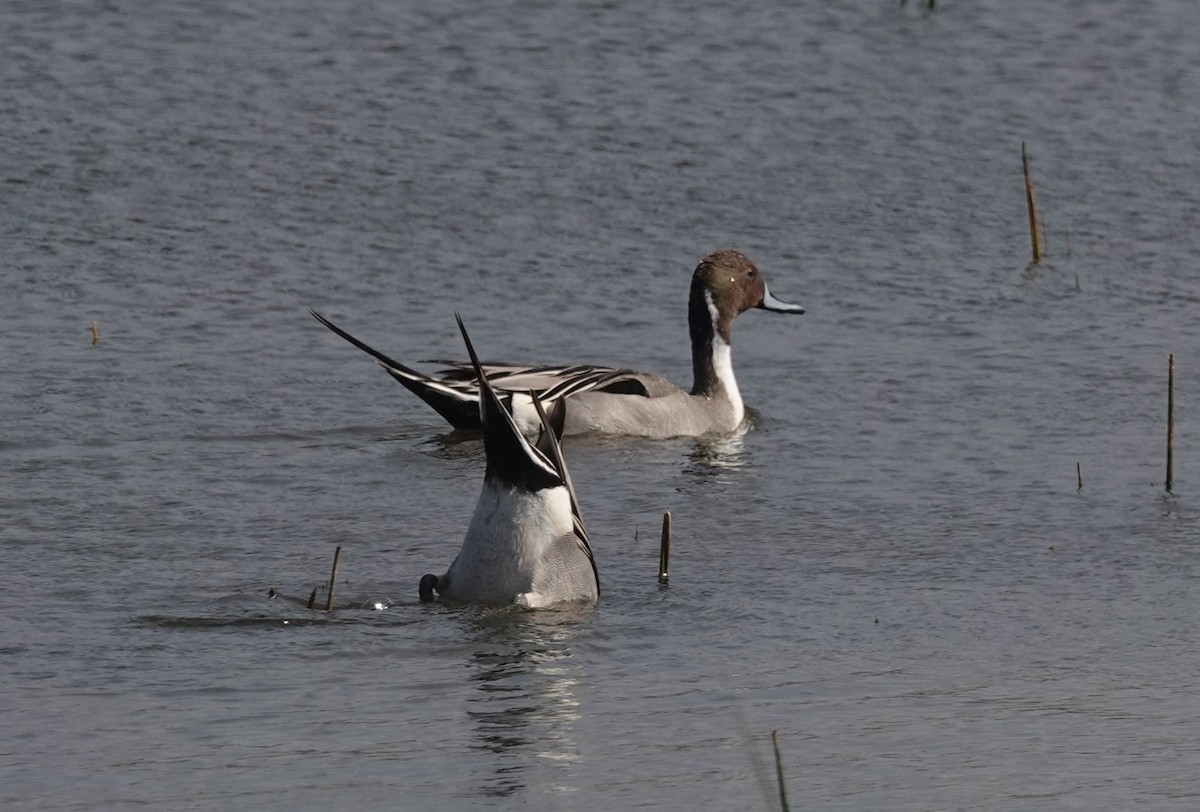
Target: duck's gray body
[610, 400]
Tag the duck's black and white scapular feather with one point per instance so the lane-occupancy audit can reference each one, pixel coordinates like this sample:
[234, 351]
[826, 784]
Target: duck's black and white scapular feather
[526, 543]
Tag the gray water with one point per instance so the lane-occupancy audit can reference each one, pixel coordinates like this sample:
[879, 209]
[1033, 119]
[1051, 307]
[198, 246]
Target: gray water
[895, 568]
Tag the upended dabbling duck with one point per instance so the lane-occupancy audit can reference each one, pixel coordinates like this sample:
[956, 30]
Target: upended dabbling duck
[608, 400]
[526, 543]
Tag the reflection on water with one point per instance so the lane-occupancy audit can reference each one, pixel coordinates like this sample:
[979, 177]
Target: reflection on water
[713, 458]
[459, 444]
[526, 705]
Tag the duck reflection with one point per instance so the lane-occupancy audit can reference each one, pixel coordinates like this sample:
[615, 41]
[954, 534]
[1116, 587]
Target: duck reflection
[526, 705]
[717, 457]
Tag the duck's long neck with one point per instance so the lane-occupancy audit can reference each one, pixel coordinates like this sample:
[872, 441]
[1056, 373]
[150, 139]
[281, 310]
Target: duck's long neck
[712, 355]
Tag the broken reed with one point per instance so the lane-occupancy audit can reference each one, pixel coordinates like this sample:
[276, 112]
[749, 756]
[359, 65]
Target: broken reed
[783, 801]
[1034, 235]
[1170, 421]
[312, 597]
[664, 549]
[337, 557]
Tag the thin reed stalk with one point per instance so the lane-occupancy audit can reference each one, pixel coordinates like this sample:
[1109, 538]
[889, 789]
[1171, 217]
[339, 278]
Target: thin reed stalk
[664, 549]
[783, 801]
[1170, 421]
[1030, 200]
[337, 557]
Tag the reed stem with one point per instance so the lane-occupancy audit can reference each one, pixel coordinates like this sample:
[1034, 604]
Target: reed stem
[1170, 421]
[337, 557]
[664, 550]
[1034, 234]
[1079, 474]
[783, 801]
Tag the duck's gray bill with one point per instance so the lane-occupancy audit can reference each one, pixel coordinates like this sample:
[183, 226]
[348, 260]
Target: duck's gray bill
[769, 302]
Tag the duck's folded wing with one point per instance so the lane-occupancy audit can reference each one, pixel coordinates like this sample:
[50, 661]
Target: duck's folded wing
[567, 547]
[568, 570]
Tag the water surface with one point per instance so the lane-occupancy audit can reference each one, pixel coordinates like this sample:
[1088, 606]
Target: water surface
[894, 567]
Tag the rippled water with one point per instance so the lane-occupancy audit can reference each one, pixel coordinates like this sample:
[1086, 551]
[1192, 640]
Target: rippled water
[895, 567]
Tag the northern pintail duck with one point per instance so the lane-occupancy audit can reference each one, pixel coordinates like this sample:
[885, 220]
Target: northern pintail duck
[607, 400]
[526, 543]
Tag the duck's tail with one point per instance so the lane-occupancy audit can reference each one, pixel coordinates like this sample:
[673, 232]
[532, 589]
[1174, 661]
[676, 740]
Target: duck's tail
[458, 405]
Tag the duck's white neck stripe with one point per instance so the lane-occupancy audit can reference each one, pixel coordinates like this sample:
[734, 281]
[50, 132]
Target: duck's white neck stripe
[714, 315]
[722, 360]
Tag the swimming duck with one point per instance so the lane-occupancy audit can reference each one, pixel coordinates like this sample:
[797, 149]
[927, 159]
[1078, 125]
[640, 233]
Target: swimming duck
[526, 543]
[609, 400]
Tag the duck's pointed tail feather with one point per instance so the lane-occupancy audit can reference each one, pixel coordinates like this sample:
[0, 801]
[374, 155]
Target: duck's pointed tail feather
[458, 407]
